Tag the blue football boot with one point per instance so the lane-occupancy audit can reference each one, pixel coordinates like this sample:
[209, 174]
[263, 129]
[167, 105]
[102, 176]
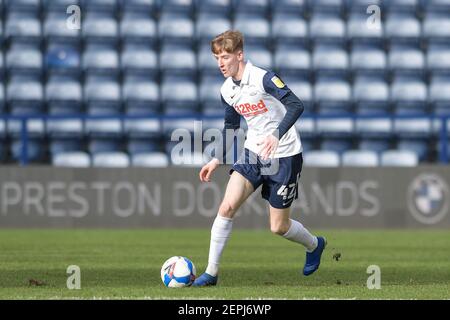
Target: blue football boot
[205, 280]
[313, 258]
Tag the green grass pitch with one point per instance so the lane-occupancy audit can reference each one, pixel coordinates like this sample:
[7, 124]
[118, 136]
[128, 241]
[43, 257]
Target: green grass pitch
[125, 264]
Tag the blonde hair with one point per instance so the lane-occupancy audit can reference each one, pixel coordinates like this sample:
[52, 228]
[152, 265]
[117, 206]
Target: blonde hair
[229, 41]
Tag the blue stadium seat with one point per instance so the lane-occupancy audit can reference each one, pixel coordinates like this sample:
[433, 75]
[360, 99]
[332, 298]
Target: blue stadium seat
[292, 60]
[439, 95]
[35, 128]
[256, 28]
[100, 60]
[151, 159]
[170, 125]
[36, 150]
[55, 26]
[138, 28]
[179, 96]
[360, 158]
[139, 60]
[327, 5]
[413, 128]
[401, 5]
[174, 28]
[374, 144]
[207, 64]
[259, 55]
[362, 4]
[209, 95]
[139, 5]
[436, 5]
[414, 135]
[321, 158]
[374, 128]
[306, 127]
[25, 97]
[419, 146]
[371, 95]
[104, 128]
[330, 59]
[214, 6]
[402, 26]
[65, 144]
[182, 6]
[406, 59]
[2, 98]
[374, 134]
[78, 159]
[332, 96]
[65, 128]
[23, 26]
[64, 96]
[3, 148]
[358, 30]
[142, 128]
[288, 6]
[335, 127]
[409, 95]
[110, 159]
[96, 145]
[399, 158]
[438, 58]
[28, 5]
[63, 59]
[251, 6]
[141, 96]
[210, 25]
[24, 59]
[58, 4]
[102, 94]
[336, 134]
[289, 28]
[99, 28]
[436, 25]
[104, 6]
[177, 60]
[327, 27]
[143, 145]
[368, 59]
[303, 90]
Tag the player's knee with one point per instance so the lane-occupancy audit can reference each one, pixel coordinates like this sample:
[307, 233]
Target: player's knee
[279, 228]
[226, 210]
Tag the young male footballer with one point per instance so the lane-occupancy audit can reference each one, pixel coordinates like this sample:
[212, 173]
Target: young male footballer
[272, 156]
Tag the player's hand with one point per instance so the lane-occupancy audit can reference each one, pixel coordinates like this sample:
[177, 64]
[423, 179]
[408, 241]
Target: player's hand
[268, 147]
[207, 170]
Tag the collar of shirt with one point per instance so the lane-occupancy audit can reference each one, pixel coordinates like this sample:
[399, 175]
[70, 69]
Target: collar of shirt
[246, 75]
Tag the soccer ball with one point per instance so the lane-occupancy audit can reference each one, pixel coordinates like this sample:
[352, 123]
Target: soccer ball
[178, 272]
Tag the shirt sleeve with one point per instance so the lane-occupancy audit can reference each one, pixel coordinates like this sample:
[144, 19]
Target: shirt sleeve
[275, 86]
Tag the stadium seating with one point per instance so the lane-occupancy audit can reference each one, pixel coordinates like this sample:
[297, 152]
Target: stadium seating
[321, 158]
[147, 64]
[360, 158]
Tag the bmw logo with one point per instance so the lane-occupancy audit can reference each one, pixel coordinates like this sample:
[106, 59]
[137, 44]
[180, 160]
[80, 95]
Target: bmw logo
[428, 198]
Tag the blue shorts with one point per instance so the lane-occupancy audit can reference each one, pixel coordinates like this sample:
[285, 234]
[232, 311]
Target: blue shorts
[278, 176]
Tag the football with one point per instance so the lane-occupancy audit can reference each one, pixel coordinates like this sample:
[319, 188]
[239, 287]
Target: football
[178, 272]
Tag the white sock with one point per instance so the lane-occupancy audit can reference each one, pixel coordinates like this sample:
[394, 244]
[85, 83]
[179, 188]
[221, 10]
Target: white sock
[298, 233]
[220, 233]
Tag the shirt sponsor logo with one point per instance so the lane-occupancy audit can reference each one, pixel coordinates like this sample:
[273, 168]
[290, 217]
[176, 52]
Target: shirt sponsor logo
[248, 109]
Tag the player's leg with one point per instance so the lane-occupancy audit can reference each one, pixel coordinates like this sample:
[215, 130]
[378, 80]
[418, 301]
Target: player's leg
[283, 225]
[237, 191]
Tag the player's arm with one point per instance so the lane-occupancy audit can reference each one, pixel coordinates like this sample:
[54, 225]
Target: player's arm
[294, 108]
[232, 121]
